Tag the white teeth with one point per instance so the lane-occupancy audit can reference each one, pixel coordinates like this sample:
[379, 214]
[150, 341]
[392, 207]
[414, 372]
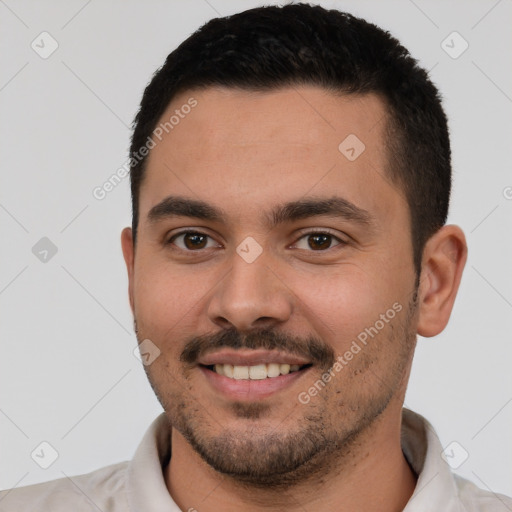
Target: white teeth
[240, 372]
[229, 370]
[273, 370]
[256, 372]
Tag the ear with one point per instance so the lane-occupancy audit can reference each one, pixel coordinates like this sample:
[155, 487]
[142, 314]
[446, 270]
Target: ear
[444, 257]
[129, 257]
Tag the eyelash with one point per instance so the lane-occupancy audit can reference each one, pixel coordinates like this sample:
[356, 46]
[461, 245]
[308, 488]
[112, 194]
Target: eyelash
[341, 242]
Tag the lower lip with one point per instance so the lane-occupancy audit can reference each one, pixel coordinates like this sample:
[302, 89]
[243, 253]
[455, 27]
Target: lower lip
[250, 390]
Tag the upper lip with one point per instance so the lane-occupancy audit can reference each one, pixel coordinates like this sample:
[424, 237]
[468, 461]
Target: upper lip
[249, 357]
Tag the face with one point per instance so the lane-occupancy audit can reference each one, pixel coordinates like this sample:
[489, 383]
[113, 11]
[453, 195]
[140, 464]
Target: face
[278, 281]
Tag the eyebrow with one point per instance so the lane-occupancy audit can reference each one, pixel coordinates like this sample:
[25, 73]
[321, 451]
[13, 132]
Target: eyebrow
[177, 206]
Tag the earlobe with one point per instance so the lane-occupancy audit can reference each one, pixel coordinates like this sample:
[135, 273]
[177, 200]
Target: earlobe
[129, 256]
[444, 257]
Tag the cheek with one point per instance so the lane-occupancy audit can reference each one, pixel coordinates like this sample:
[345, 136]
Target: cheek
[166, 296]
[342, 304]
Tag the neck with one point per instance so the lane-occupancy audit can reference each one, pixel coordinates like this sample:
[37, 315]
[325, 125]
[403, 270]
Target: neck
[373, 475]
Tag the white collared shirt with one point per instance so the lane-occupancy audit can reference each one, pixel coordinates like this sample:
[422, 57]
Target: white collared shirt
[139, 486]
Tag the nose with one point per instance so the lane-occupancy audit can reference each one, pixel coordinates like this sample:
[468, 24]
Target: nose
[251, 296]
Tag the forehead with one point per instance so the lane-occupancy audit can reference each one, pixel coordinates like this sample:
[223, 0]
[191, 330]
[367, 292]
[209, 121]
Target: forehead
[243, 150]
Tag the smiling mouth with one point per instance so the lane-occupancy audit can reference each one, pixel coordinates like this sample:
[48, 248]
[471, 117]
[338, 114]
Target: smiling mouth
[255, 372]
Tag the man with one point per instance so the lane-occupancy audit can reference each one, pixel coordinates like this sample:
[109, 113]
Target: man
[290, 188]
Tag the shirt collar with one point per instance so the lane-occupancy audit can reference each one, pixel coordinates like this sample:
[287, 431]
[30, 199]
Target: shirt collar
[146, 488]
[436, 488]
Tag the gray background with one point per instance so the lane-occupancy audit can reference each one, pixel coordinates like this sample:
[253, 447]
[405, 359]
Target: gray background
[68, 375]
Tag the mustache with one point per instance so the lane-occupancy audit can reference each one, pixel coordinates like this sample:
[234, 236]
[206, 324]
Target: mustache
[310, 348]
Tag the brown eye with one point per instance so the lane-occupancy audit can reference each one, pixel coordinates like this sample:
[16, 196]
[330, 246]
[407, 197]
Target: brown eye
[192, 241]
[317, 241]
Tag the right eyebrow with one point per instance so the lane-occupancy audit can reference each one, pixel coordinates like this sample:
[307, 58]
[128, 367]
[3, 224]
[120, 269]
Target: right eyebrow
[175, 206]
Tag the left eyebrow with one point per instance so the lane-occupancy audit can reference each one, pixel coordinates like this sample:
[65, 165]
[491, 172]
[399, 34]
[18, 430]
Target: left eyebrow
[304, 208]
[176, 206]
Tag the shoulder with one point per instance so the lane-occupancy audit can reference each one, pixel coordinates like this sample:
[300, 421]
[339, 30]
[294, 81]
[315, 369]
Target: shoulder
[103, 489]
[476, 499]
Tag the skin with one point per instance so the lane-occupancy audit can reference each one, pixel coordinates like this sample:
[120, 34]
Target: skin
[246, 152]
